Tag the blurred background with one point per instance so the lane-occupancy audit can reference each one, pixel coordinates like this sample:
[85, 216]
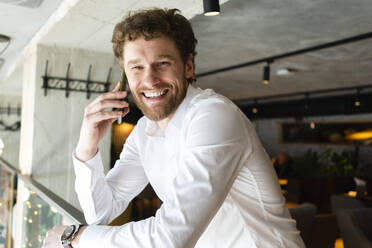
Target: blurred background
[300, 70]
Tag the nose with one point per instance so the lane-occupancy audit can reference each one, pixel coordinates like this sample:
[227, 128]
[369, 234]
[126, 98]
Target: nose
[151, 77]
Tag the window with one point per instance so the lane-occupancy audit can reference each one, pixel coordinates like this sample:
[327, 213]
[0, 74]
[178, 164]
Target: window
[343, 133]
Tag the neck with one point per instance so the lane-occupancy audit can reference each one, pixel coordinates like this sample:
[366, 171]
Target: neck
[163, 124]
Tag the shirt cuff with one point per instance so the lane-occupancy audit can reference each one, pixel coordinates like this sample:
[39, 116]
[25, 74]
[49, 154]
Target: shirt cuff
[97, 236]
[93, 236]
[93, 164]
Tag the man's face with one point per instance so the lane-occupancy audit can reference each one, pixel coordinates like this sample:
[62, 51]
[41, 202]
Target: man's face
[156, 75]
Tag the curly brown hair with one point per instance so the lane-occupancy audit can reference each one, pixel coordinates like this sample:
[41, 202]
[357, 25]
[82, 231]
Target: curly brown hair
[152, 23]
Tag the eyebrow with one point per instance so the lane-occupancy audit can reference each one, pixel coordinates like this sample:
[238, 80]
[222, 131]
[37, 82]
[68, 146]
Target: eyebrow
[161, 56]
[166, 56]
[133, 61]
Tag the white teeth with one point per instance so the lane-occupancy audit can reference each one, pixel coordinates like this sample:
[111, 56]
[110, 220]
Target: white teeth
[154, 94]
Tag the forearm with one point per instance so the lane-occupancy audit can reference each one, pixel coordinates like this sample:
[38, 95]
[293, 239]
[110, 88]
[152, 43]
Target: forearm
[85, 153]
[95, 196]
[104, 197]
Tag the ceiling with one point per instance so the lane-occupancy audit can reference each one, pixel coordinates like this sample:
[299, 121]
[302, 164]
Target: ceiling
[244, 31]
[20, 21]
[249, 30]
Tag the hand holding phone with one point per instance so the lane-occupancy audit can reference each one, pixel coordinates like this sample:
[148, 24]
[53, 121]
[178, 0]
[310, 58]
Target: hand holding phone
[98, 119]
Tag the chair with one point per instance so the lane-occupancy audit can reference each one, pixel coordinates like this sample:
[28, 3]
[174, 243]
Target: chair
[342, 202]
[324, 232]
[356, 227]
[304, 216]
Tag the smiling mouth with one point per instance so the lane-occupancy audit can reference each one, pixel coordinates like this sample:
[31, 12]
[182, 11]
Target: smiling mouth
[155, 94]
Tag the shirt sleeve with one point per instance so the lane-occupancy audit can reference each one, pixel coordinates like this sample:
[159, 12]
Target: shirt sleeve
[215, 149]
[101, 197]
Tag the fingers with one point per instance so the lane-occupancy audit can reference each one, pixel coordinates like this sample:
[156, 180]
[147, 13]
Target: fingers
[117, 87]
[117, 95]
[108, 100]
[100, 109]
[125, 111]
[105, 115]
[114, 94]
[106, 104]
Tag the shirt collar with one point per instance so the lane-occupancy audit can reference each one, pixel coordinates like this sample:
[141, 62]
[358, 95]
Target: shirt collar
[153, 129]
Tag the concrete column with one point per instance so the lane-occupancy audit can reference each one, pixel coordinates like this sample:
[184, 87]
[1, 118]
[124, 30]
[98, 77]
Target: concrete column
[51, 124]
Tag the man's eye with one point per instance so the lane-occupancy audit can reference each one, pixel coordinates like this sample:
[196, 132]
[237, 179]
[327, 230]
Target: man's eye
[162, 63]
[138, 67]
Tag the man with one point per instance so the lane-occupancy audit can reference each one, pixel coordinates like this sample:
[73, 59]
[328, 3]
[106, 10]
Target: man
[283, 165]
[197, 149]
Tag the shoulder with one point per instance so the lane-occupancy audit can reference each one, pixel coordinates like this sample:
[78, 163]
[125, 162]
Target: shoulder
[210, 104]
[213, 115]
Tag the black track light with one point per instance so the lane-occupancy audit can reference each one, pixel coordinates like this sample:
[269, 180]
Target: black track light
[255, 107]
[266, 74]
[211, 7]
[307, 100]
[357, 99]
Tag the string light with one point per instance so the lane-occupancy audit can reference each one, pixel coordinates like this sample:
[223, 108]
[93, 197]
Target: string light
[53, 209]
[2, 146]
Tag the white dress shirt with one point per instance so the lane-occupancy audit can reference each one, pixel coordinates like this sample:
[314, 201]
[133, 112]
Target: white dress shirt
[217, 184]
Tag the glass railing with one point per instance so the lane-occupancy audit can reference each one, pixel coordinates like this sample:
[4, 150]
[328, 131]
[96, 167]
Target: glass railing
[38, 218]
[39, 210]
[7, 201]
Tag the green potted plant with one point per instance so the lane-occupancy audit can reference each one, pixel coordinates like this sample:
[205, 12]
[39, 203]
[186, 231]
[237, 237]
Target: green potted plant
[317, 175]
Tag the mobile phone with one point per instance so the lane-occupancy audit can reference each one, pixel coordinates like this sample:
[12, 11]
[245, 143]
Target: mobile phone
[123, 84]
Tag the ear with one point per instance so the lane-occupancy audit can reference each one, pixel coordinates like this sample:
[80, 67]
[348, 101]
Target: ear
[189, 66]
